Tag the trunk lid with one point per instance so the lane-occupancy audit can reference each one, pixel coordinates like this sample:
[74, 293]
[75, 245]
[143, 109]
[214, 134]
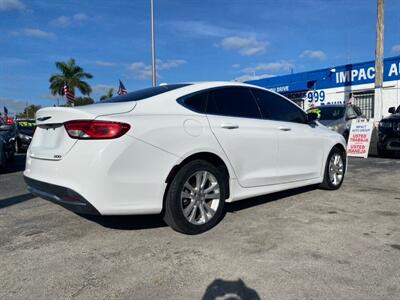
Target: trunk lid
[51, 141]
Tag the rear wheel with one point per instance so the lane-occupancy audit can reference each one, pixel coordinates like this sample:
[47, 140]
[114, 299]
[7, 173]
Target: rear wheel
[334, 170]
[195, 198]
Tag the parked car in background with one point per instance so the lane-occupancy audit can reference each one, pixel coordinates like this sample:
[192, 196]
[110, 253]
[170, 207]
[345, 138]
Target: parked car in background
[25, 129]
[389, 133]
[7, 142]
[338, 117]
[182, 150]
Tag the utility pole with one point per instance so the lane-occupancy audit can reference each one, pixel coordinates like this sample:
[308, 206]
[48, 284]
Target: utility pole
[378, 107]
[153, 46]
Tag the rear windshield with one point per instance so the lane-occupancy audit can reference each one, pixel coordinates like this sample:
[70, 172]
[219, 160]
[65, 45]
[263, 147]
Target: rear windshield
[329, 112]
[145, 93]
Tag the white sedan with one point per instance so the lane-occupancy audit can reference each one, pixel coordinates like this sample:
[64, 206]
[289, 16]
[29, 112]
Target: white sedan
[181, 150]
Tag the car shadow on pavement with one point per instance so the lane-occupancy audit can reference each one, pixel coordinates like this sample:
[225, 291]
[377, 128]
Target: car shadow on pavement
[15, 200]
[127, 222]
[156, 221]
[250, 202]
[223, 289]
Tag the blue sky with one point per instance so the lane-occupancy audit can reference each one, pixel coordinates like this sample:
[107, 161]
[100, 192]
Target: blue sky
[196, 40]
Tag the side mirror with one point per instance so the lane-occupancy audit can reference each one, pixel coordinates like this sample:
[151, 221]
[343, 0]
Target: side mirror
[312, 116]
[392, 110]
[5, 127]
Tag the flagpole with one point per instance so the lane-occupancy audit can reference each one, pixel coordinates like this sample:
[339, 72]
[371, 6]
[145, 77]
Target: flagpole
[153, 47]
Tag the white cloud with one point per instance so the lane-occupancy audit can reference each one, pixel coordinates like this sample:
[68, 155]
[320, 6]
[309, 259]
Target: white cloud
[80, 17]
[11, 5]
[143, 71]
[169, 64]
[277, 66]
[198, 28]
[101, 89]
[50, 97]
[33, 32]
[12, 61]
[246, 46]
[396, 49]
[201, 29]
[250, 73]
[13, 106]
[248, 77]
[61, 21]
[65, 21]
[235, 66]
[314, 54]
[101, 63]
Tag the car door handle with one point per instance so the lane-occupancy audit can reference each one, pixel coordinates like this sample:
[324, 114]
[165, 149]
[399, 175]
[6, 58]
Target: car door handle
[229, 126]
[285, 128]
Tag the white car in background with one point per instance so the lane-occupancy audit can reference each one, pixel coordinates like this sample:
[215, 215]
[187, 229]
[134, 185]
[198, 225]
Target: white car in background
[182, 150]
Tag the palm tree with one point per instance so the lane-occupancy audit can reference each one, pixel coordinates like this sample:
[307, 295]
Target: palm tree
[72, 75]
[108, 95]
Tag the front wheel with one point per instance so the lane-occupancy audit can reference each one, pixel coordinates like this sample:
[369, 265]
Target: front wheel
[195, 199]
[334, 170]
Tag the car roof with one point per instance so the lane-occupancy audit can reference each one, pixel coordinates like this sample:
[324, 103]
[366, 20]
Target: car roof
[329, 105]
[166, 102]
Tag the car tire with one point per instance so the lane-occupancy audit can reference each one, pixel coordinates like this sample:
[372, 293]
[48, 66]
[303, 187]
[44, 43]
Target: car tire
[334, 170]
[193, 206]
[382, 152]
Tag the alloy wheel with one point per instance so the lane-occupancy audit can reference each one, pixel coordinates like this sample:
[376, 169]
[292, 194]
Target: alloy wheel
[200, 197]
[336, 169]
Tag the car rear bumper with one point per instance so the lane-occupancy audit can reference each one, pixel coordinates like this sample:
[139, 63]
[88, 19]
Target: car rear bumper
[63, 196]
[389, 143]
[117, 177]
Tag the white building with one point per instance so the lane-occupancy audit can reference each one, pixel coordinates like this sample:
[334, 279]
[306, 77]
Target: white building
[340, 84]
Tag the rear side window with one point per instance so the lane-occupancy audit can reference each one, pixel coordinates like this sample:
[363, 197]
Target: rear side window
[195, 102]
[145, 93]
[233, 102]
[357, 110]
[350, 113]
[275, 107]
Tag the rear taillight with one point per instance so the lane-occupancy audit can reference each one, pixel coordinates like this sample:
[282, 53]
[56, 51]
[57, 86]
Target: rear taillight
[88, 130]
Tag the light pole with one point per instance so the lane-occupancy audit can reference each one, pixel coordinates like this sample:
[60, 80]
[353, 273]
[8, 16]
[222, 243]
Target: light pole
[153, 46]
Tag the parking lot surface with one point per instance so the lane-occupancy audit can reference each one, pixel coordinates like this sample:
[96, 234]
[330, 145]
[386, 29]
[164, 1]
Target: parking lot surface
[302, 244]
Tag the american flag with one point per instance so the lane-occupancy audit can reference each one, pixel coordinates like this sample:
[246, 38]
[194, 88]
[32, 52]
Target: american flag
[68, 94]
[121, 89]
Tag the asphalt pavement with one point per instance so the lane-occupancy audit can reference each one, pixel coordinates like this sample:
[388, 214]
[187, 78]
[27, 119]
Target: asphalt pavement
[300, 244]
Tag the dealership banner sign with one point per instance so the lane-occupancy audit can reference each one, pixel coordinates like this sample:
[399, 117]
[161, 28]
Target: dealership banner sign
[360, 138]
